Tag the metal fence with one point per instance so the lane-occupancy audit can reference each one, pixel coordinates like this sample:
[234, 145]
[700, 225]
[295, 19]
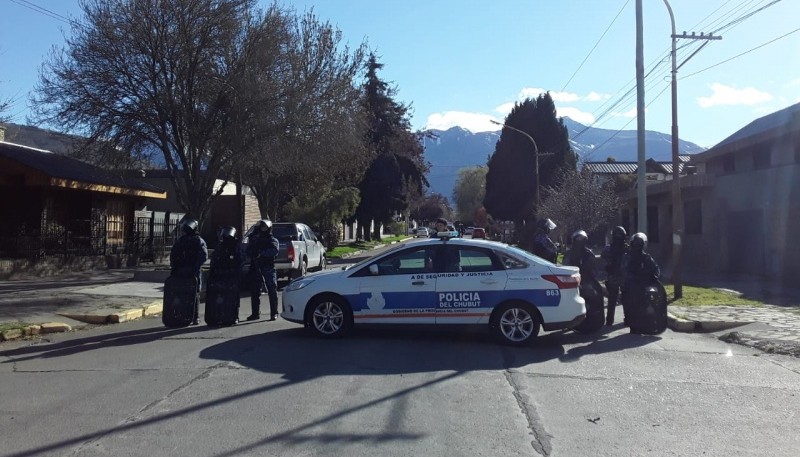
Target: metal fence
[148, 238]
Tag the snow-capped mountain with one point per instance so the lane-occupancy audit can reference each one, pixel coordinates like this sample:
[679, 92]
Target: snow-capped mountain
[456, 148]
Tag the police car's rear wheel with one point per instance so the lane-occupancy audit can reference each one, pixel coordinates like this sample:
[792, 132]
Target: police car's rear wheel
[329, 316]
[516, 323]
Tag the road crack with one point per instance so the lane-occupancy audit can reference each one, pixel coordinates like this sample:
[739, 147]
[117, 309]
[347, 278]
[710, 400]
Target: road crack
[541, 442]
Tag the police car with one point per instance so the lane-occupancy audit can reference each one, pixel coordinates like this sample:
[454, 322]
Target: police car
[441, 281]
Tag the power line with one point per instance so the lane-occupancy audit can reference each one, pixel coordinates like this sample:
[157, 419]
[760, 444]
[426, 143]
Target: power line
[41, 10]
[746, 52]
[595, 45]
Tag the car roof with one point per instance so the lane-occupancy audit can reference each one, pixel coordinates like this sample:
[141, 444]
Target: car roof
[456, 241]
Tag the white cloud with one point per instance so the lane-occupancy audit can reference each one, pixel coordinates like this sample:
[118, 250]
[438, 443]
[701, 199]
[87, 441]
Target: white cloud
[576, 115]
[631, 113]
[595, 97]
[474, 122]
[723, 95]
[533, 92]
[794, 83]
[505, 108]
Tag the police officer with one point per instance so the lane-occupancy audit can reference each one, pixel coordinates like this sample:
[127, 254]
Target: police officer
[582, 257]
[187, 256]
[227, 259]
[262, 248]
[441, 226]
[638, 269]
[613, 255]
[543, 246]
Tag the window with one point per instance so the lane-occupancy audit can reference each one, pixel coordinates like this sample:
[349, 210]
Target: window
[512, 263]
[406, 262]
[761, 159]
[693, 217]
[472, 259]
[728, 164]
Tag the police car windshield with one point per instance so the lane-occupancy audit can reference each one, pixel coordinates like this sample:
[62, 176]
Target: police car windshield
[529, 256]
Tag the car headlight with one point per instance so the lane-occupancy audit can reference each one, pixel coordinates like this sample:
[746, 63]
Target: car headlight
[297, 285]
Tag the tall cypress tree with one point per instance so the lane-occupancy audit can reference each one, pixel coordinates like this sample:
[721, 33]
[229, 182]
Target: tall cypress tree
[511, 178]
[398, 165]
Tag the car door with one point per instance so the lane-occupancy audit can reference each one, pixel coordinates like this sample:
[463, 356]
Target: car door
[313, 251]
[472, 284]
[397, 289]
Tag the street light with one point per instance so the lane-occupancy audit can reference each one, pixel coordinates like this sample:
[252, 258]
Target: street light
[677, 205]
[535, 155]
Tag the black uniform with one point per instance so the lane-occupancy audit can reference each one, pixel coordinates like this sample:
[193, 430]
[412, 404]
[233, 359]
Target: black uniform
[583, 258]
[185, 259]
[639, 271]
[223, 282]
[613, 255]
[262, 248]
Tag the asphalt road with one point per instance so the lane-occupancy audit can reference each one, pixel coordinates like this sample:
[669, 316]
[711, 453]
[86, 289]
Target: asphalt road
[138, 389]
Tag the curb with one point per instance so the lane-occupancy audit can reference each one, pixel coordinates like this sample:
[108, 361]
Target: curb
[148, 310]
[676, 324]
[33, 330]
[152, 308]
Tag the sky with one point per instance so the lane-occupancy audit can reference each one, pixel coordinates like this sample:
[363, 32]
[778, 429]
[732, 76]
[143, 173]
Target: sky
[466, 62]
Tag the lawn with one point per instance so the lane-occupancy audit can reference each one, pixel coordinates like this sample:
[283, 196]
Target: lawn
[356, 246]
[703, 296]
[12, 325]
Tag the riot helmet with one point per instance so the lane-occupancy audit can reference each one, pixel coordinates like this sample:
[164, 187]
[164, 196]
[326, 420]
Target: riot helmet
[189, 226]
[264, 225]
[618, 233]
[227, 233]
[546, 225]
[638, 242]
[579, 239]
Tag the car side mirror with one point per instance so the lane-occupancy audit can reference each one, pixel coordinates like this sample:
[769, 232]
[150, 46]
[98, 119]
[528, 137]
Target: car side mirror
[373, 269]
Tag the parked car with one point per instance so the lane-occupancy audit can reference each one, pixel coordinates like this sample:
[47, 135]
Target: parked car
[301, 250]
[478, 233]
[441, 281]
[422, 232]
[468, 231]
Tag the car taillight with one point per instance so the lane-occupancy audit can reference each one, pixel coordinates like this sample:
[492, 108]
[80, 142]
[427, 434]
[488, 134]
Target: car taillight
[565, 281]
[290, 251]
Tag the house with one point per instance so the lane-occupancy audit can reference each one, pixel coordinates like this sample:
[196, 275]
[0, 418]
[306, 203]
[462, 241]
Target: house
[55, 208]
[745, 220]
[236, 206]
[654, 171]
[740, 208]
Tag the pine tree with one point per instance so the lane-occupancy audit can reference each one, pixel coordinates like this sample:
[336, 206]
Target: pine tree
[511, 178]
[398, 167]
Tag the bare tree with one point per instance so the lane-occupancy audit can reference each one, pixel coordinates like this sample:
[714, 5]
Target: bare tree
[303, 118]
[153, 77]
[469, 191]
[580, 201]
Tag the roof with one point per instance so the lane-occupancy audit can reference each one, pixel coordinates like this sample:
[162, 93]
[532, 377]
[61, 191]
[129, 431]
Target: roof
[618, 168]
[65, 171]
[763, 124]
[762, 129]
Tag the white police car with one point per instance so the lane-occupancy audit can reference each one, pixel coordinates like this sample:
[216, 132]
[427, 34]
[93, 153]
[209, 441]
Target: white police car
[441, 281]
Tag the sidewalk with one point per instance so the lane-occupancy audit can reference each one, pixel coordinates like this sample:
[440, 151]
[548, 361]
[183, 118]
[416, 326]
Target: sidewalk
[773, 328]
[75, 300]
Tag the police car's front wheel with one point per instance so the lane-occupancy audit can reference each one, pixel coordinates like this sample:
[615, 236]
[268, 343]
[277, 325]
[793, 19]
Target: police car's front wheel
[329, 316]
[516, 323]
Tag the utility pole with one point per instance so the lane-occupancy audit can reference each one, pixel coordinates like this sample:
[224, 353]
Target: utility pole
[641, 183]
[677, 200]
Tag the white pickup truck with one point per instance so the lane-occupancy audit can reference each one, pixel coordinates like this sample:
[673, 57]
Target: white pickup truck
[301, 250]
